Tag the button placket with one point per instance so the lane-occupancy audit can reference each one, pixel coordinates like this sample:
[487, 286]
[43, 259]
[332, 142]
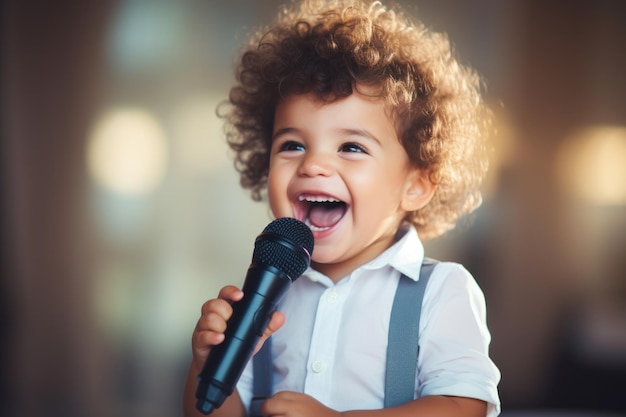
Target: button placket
[324, 343]
[332, 297]
[318, 366]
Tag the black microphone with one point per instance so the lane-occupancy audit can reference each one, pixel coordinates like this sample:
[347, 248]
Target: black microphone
[282, 252]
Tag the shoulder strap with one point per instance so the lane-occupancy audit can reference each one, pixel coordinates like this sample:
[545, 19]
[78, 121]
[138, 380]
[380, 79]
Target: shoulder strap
[402, 348]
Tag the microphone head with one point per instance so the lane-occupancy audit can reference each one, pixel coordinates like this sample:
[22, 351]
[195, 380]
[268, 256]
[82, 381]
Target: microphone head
[286, 244]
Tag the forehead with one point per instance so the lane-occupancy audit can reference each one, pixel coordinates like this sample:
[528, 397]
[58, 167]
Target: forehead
[354, 111]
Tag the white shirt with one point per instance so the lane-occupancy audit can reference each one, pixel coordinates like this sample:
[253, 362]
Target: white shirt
[334, 342]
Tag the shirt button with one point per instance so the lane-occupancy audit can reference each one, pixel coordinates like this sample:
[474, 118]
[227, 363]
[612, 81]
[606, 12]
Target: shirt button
[318, 366]
[332, 297]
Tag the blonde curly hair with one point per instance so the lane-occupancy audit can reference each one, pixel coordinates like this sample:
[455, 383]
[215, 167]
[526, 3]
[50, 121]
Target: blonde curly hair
[329, 48]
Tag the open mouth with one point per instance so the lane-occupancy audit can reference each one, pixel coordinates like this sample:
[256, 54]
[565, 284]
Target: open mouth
[321, 212]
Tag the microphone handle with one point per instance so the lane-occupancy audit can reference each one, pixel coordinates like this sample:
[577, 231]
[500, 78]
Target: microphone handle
[263, 288]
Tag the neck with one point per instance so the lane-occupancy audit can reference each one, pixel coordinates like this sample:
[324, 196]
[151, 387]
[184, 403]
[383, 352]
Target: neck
[338, 270]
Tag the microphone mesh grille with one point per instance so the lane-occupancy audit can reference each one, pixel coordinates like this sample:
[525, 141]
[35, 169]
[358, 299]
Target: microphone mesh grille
[288, 259]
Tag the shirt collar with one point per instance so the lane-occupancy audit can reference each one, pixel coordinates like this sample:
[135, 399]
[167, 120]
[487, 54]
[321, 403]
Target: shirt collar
[405, 255]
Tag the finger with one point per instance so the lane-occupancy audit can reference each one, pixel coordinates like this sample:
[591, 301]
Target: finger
[211, 326]
[276, 322]
[214, 316]
[215, 313]
[201, 344]
[230, 293]
[217, 306]
[212, 321]
[227, 295]
[202, 341]
[278, 404]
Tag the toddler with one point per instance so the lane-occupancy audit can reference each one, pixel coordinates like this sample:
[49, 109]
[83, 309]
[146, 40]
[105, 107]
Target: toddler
[358, 121]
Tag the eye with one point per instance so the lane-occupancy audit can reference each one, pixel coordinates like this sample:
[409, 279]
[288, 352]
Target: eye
[352, 148]
[291, 145]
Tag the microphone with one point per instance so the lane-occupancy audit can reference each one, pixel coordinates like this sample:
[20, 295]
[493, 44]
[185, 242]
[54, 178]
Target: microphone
[282, 252]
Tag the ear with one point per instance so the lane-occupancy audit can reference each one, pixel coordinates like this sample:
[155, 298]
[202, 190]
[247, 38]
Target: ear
[418, 190]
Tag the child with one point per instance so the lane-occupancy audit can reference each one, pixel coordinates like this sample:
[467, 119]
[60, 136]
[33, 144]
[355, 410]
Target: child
[361, 124]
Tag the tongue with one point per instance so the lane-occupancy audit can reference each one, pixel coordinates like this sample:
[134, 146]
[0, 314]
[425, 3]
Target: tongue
[326, 215]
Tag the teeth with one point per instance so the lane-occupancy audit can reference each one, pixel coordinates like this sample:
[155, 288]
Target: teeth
[315, 228]
[318, 199]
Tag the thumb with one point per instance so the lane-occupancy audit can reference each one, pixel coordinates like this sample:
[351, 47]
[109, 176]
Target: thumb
[276, 322]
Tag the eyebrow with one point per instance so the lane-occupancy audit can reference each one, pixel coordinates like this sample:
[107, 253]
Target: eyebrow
[360, 132]
[345, 132]
[284, 131]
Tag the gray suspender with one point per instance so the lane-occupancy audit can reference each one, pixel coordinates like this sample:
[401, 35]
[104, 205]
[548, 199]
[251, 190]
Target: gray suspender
[261, 378]
[402, 348]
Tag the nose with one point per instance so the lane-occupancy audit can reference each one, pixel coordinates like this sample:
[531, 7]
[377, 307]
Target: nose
[316, 164]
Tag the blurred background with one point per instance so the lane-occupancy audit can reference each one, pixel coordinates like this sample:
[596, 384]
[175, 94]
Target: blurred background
[121, 212]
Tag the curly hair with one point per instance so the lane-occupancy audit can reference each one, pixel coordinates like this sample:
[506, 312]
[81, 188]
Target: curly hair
[330, 48]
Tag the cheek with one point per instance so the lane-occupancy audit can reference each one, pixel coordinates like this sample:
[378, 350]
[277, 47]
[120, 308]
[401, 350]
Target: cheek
[272, 188]
[373, 179]
[272, 176]
[382, 188]
[276, 191]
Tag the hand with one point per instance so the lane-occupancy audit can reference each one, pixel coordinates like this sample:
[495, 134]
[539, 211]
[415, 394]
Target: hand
[294, 404]
[212, 323]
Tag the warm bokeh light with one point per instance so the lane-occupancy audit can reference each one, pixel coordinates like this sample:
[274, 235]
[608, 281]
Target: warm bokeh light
[501, 146]
[592, 165]
[199, 146]
[127, 151]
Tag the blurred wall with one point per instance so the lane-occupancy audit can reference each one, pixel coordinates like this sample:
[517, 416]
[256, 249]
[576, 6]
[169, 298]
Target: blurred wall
[51, 69]
[121, 212]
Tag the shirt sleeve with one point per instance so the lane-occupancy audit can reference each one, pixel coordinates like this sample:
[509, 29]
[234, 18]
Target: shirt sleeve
[454, 339]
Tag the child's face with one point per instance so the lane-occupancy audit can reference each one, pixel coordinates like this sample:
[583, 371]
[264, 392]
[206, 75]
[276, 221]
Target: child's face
[340, 168]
